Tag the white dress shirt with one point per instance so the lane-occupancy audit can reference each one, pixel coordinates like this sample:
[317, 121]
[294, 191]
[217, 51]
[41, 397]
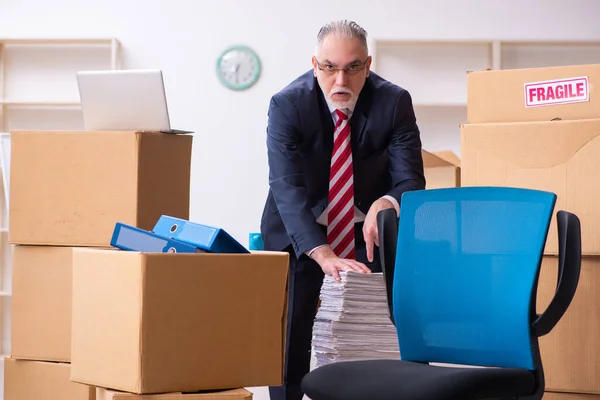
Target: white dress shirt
[359, 216]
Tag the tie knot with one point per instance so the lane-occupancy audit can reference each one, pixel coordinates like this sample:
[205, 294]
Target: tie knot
[341, 114]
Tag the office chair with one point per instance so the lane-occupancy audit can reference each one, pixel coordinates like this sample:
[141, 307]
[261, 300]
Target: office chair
[461, 272]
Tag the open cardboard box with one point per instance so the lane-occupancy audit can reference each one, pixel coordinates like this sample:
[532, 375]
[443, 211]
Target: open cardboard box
[442, 169]
[150, 323]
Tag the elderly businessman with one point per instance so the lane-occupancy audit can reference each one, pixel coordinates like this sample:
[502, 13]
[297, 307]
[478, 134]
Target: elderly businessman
[343, 144]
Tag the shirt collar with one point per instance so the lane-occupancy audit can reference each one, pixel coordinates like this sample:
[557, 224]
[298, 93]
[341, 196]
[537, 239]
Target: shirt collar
[332, 109]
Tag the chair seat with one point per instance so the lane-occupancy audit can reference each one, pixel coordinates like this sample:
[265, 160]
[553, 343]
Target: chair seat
[397, 380]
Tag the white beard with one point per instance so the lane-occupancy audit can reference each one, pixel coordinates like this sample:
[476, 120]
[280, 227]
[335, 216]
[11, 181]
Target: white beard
[349, 104]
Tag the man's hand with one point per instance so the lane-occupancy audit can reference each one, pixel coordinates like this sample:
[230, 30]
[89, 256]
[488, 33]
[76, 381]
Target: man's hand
[370, 230]
[331, 264]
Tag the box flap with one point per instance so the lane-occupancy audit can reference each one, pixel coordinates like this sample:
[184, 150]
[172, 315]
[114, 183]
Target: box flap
[532, 144]
[448, 156]
[559, 157]
[439, 159]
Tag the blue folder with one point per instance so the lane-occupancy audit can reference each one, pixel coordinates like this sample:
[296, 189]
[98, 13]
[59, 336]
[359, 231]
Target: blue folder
[211, 239]
[127, 237]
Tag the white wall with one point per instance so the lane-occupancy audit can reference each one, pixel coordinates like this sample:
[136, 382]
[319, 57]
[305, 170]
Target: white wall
[184, 37]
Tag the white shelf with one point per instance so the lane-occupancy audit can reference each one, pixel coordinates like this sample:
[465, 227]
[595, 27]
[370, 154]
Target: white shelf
[40, 74]
[60, 41]
[39, 104]
[553, 43]
[526, 55]
[439, 127]
[44, 118]
[435, 72]
[113, 44]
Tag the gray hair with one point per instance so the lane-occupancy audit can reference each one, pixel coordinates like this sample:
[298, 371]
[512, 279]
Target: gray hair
[343, 28]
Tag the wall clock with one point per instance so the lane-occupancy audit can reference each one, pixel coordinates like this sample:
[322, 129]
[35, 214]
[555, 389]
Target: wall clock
[238, 67]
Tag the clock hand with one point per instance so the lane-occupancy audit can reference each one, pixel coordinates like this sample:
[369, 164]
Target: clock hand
[237, 73]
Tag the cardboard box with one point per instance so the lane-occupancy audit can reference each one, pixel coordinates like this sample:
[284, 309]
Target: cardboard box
[41, 303]
[150, 323]
[70, 188]
[234, 394]
[35, 380]
[559, 156]
[442, 169]
[571, 351]
[533, 94]
[569, 396]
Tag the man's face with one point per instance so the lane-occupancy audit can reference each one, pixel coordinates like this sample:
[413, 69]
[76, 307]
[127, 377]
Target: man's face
[341, 66]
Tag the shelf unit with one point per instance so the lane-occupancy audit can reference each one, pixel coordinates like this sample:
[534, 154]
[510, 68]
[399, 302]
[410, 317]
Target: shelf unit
[38, 90]
[37, 78]
[434, 72]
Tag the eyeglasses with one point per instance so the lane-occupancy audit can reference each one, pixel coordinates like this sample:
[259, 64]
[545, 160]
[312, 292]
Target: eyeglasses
[351, 69]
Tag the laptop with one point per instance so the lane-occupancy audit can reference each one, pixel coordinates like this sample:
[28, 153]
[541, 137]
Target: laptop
[124, 100]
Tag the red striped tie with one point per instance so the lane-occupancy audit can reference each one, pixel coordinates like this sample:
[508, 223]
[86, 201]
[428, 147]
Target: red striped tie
[340, 217]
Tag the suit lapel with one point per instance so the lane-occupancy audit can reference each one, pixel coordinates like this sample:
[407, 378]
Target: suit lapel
[359, 117]
[357, 125]
[326, 122]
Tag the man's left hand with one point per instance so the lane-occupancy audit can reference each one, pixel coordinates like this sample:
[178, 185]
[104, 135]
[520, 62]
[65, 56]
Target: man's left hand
[370, 230]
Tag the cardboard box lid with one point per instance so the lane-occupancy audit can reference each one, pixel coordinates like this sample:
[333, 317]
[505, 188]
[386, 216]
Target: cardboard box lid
[439, 159]
[234, 394]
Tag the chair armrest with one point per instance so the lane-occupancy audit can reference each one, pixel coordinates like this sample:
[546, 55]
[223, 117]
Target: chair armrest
[387, 227]
[569, 267]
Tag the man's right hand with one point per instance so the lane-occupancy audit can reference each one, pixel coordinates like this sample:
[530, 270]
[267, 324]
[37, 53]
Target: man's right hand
[331, 264]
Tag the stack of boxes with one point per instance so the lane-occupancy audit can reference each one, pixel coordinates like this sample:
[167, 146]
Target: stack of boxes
[94, 322]
[539, 128]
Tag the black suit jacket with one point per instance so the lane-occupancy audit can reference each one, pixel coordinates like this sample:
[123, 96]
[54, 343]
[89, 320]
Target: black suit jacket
[386, 151]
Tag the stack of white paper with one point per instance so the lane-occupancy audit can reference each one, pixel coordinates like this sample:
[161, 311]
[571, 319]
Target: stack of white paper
[352, 322]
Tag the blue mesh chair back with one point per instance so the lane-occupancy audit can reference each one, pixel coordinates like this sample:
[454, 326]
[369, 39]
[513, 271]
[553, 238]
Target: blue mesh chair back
[466, 268]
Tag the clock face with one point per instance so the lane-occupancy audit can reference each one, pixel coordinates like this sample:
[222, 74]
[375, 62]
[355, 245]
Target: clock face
[238, 67]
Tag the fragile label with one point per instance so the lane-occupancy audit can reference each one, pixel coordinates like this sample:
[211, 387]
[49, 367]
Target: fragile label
[563, 91]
